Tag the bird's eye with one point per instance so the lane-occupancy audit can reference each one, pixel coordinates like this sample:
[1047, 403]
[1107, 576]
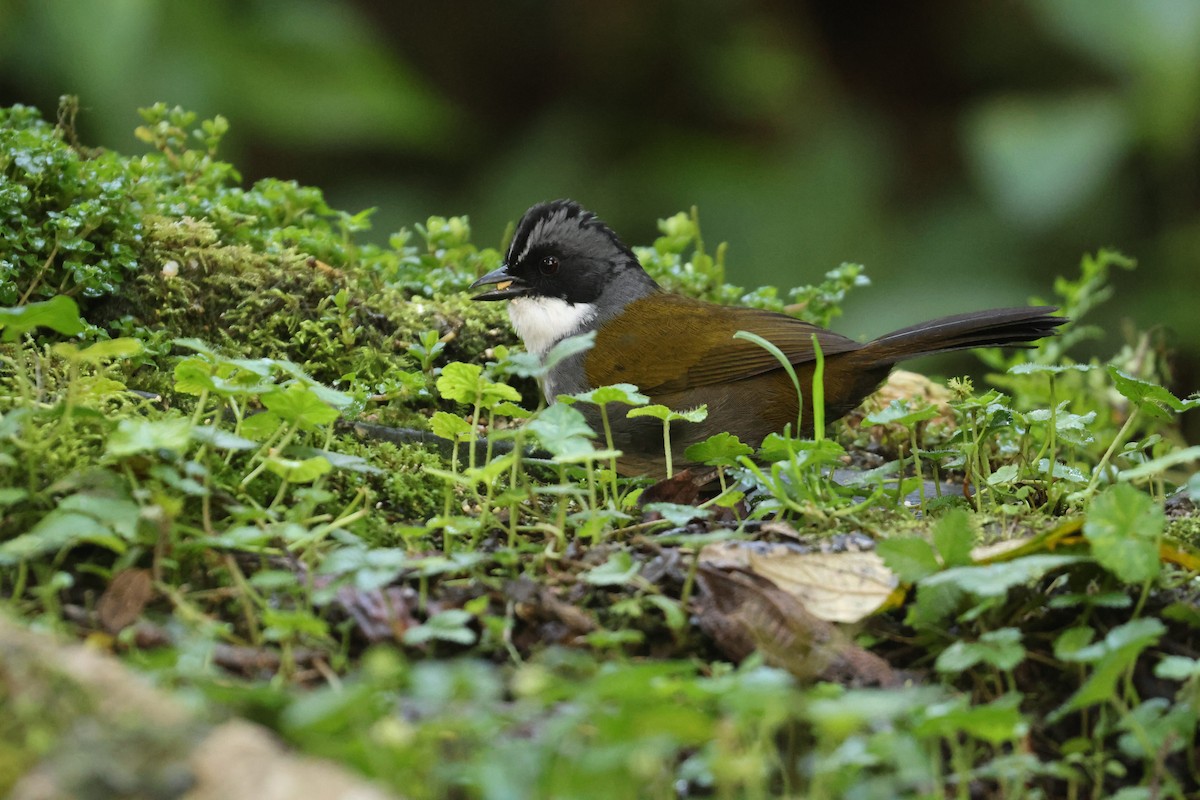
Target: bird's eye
[549, 265]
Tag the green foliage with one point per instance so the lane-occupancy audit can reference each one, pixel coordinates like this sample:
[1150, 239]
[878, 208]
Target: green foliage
[60, 314]
[261, 332]
[71, 221]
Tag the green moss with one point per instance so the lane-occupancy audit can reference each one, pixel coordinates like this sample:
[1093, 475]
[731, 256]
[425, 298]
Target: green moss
[403, 492]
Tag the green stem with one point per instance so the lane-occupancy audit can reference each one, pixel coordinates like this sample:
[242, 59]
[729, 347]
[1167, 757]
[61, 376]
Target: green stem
[917, 467]
[474, 427]
[787, 367]
[818, 392]
[608, 442]
[262, 454]
[198, 414]
[1119, 440]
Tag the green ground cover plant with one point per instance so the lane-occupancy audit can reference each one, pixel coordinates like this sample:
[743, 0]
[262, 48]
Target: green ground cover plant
[299, 477]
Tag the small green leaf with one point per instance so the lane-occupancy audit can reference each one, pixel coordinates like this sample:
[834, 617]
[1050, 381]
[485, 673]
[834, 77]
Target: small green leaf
[678, 514]
[197, 346]
[11, 496]
[511, 410]
[1124, 526]
[119, 514]
[697, 414]
[460, 381]
[1001, 649]
[897, 412]
[1177, 668]
[450, 426]
[1161, 464]
[99, 352]
[52, 533]
[625, 393]
[142, 435]
[213, 436]
[910, 557]
[59, 314]
[194, 376]
[618, 570]
[562, 430]
[1139, 633]
[300, 405]
[806, 452]
[568, 347]
[995, 722]
[456, 563]
[953, 536]
[350, 463]
[1071, 641]
[1150, 397]
[671, 609]
[1111, 657]
[494, 394]
[260, 426]
[1003, 475]
[299, 471]
[994, 580]
[721, 449]
[448, 626]
[284, 624]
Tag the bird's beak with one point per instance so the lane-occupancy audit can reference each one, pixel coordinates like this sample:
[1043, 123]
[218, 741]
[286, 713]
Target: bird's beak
[507, 285]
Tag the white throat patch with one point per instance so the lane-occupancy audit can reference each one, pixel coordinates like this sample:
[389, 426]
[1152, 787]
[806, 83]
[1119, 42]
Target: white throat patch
[542, 322]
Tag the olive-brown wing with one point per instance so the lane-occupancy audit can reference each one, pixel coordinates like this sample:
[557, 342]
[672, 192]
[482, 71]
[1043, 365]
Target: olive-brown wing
[669, 343]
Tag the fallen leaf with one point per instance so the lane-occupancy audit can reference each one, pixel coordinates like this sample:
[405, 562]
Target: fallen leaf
[838, 587]
[743, 612]
[683, 488]
[380, 614]
[124, 599]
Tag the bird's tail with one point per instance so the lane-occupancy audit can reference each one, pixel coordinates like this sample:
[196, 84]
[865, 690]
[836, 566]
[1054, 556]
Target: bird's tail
[998, 327]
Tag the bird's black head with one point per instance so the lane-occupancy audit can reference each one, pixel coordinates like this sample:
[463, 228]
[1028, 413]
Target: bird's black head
[560, 251]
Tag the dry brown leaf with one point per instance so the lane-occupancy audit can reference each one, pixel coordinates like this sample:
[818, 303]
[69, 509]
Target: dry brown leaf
[683, 487]
[124, 599]
[912, 387]
[837, 587]
[743, 612]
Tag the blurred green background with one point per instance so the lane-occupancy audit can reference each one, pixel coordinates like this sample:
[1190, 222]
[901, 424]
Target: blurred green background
[966, 153]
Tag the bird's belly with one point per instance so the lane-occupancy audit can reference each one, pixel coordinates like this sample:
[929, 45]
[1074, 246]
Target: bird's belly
[750, 409]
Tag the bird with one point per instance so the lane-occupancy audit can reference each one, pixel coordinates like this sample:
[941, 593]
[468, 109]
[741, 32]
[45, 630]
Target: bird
[566, 273]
